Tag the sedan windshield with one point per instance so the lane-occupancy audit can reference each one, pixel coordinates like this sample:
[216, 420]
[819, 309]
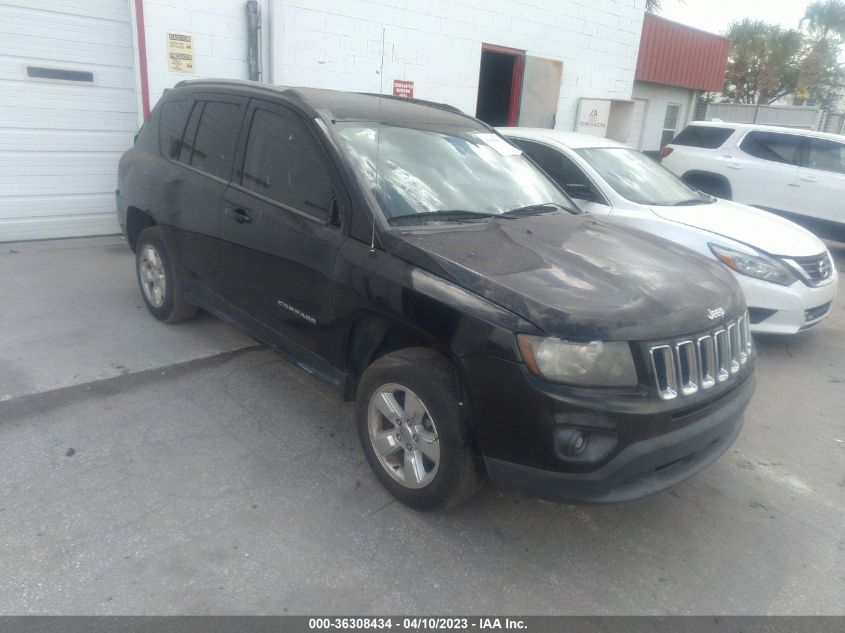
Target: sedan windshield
[637, 178]
[420, 175]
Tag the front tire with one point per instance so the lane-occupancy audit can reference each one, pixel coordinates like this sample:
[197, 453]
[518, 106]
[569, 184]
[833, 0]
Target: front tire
[413, 432]
[160, 288]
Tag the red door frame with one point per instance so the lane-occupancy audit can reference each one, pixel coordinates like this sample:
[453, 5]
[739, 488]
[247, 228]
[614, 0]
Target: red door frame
[516, 79]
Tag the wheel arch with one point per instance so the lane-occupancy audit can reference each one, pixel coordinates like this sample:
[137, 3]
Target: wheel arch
[136, 221]
[374, 335]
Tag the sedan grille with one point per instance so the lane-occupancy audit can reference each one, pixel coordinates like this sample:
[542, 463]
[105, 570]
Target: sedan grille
[814, 270]
[699, 363]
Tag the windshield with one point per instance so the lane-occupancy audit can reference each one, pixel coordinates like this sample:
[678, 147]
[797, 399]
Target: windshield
[438, 176]
[637, 178]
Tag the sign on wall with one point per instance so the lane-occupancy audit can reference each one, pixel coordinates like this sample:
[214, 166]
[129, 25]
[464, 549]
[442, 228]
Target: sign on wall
[593, 116]
[402, 88]
[180, 53]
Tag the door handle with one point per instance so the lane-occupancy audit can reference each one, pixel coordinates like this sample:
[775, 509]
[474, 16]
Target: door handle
[810, 178]
[238, 215]
[734, 166]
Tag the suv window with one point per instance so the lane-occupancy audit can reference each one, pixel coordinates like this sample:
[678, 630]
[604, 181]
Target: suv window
[559, 166]
[174, 118]
[703, 136]
[216, 138]
[284, 163]
[826, 155]
[773, 146]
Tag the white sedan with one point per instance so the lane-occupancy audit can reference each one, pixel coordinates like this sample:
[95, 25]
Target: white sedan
[786, 272]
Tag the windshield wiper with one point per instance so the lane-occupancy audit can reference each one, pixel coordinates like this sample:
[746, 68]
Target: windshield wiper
[537, 209]
[443, 215]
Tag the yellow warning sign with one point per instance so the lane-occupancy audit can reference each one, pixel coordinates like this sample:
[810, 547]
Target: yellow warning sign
[180, 53]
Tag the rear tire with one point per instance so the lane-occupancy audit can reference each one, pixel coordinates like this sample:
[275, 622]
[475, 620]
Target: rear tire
[413, 432]
[157, 280]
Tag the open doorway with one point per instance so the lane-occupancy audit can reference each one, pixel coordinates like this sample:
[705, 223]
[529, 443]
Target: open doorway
[499, 84]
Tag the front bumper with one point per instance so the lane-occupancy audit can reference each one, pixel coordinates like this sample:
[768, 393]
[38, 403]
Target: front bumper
[640, 469]
[637, 443]
[786, 309]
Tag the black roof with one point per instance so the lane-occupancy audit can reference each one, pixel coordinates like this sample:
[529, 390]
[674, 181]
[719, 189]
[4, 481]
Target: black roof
[337, 105]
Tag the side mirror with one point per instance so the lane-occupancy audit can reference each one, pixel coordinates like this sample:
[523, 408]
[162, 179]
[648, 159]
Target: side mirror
[579, 192]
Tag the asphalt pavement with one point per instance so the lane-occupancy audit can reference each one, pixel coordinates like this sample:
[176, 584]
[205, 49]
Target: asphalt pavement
[155, 469]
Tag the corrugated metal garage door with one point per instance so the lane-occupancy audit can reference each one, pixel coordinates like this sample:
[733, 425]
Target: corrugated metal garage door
[60, 140]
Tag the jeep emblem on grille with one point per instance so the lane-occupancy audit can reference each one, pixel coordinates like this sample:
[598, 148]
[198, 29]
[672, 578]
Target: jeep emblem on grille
[715, 313]
[824, 268]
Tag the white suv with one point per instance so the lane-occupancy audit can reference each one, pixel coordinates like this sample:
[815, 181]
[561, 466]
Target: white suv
[796, 173]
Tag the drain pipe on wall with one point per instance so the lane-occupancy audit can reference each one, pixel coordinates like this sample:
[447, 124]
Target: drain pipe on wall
[253, 40]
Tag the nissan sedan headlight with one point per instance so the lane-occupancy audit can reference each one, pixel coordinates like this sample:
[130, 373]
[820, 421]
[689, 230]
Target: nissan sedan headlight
[597, 363]
[758, 266]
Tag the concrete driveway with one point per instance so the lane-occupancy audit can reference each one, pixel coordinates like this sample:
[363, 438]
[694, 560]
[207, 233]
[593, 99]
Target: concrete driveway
[153, 469]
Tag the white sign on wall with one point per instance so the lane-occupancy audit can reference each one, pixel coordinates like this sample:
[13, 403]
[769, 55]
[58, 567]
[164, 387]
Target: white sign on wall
[593, 116]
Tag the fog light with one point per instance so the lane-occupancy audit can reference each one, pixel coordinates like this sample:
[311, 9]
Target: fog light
[578, 445]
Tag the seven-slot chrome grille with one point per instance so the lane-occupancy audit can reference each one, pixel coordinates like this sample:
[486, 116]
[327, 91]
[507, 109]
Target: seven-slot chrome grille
[701, 362]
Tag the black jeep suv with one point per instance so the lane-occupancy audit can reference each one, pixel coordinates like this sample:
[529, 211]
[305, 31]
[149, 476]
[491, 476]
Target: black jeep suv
[409, 255]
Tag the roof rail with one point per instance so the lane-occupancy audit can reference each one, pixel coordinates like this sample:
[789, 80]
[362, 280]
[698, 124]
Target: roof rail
[433, 104]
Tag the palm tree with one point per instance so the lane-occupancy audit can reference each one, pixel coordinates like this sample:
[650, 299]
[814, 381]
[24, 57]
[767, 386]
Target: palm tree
[824, 28]
[652, 6]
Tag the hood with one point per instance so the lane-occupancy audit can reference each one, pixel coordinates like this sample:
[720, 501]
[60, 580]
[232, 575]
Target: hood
[765, 231]
[576, 277]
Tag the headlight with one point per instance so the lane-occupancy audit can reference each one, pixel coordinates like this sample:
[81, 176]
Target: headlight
[598, 363]
[758, 266]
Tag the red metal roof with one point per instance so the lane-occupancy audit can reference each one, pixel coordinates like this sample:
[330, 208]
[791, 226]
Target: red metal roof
[679, 55]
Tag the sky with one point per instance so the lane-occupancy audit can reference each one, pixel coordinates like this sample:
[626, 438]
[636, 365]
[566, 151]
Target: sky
[716, 15]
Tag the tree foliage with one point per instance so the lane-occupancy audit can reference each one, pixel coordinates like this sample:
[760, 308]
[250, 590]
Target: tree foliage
[767, 62]
[821, 75]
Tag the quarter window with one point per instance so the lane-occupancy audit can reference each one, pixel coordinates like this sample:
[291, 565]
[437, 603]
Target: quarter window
[826, 155]
[773, 146]
[284, 163]
[217, 136]
[174, 118]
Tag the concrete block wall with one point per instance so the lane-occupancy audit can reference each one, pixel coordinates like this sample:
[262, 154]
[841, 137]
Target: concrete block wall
[219, 31]
[437, 44]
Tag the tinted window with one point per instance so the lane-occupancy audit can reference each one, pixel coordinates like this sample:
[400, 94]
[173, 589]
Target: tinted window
[780, 148]
[703, 136]
[217, 135]
[283, 162]
[826, 155]
[173, 118]
[560, 167]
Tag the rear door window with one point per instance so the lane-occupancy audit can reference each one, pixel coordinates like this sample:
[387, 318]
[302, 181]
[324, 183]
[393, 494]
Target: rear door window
[773, 146]
[284, 163]
[703, 136]
[560, 167]
[826, 155]
[216, 138]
